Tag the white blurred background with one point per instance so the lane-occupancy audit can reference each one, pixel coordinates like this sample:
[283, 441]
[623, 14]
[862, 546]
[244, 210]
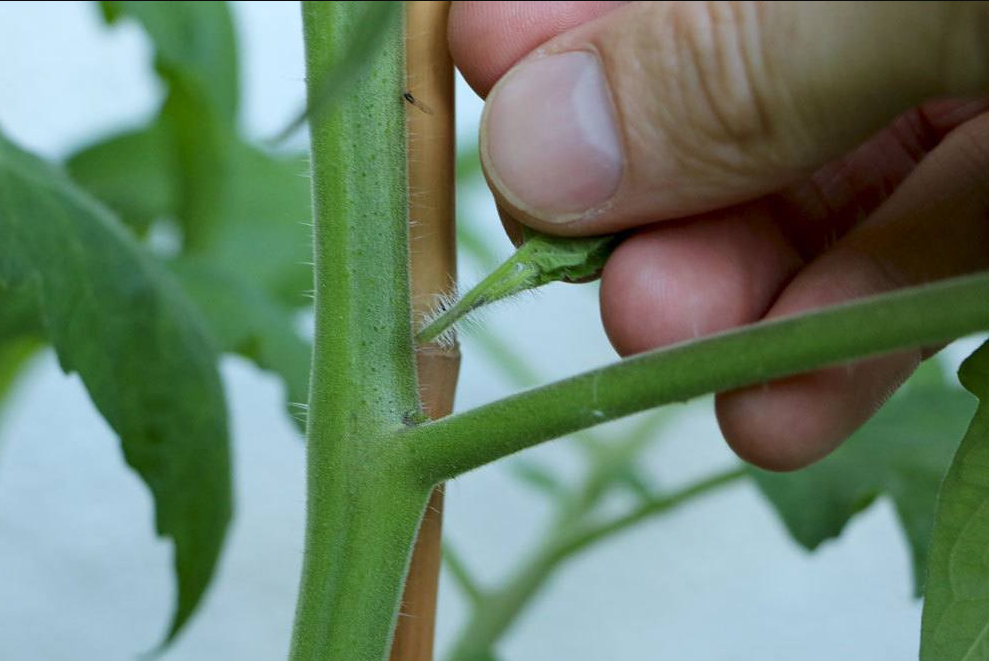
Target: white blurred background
[83, 577]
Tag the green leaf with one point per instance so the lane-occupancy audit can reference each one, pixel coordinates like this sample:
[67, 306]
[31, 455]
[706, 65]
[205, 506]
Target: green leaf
[260, 231]
[118, 319]
[263, 232]
[956, 609]
[903, 453]
[245, 320]
[14, 355]
[196, 56]
[134, 173]
[468, 164]
[194, 42]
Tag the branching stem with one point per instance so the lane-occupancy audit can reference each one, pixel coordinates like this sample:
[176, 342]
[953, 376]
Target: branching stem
[917, 316]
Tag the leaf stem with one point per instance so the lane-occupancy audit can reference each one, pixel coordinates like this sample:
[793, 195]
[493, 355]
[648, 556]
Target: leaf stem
[917, 316]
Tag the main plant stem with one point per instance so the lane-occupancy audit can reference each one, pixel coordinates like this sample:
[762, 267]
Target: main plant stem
[363, 507]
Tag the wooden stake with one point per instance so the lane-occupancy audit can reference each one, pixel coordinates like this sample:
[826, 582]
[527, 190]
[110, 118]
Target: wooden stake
[429, 103]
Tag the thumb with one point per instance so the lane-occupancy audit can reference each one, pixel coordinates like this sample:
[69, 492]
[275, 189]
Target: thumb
[665, 109]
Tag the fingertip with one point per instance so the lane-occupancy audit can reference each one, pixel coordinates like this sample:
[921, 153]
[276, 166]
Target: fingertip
[778, 426]
[794, 422]
[674, 282]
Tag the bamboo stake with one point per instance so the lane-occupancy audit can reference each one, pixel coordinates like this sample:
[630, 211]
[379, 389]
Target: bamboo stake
[430, 126]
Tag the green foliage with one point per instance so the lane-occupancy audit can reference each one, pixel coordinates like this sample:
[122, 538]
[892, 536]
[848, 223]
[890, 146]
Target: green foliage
[118, 319]
[147, 347]
[244, 320]
[194, 42]
[144, 332]
[956, 609]
[196, 56]
[243, 213]
[902, 453]
[133, 173]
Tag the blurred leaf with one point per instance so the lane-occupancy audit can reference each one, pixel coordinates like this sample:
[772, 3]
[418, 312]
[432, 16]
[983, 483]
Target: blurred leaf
[118, 319]
[252, 273]
[468, 163]
[902, 452]
[505, 358]
[461, 575]
[264, 229]
[243, 212]
[366, 40]
[636, 480]
[956, 608]
[14, 355]
[538, 477]
[132, 173]
[196, 56]
[261, 230]
[245, 320]
[194, 41]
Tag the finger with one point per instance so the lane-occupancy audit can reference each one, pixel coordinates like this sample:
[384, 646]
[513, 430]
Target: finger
[934, 226]
[487, 38]
[674, 281]
[662, 110]
[678, 281]
[816, 213]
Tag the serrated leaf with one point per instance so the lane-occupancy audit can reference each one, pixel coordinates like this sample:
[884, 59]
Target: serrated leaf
[956, 608]
[117, 318]
[902, 453]
[193, 41]
[245, 320]
[260, 230]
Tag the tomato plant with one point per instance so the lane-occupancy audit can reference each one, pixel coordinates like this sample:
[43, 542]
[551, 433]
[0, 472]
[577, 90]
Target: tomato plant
[144, 330]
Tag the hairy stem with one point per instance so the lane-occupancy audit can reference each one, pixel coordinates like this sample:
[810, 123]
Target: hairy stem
[363, 507]
[512, 277]
[917, 316]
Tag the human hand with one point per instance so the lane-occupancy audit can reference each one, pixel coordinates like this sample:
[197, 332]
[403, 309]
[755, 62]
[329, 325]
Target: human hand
[771, 157]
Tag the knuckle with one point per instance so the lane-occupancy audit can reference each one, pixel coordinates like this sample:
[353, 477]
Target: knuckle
[723, 109]
[718, 54]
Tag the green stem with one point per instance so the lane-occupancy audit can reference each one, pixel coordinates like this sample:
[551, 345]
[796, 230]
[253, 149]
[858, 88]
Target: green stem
[515, 275]
[917, 316]
[363, 507]
[495, 614]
